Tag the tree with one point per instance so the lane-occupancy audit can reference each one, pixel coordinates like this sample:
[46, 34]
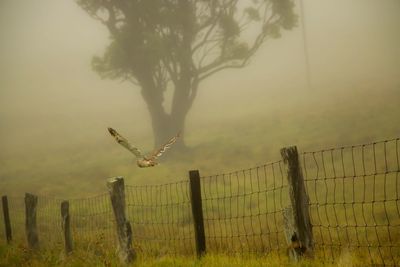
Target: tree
[160, 44]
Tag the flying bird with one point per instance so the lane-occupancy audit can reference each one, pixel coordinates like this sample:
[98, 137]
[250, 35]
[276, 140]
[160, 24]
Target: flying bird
[143, 161]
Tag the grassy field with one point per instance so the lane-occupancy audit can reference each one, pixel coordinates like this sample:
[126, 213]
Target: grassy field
[20, 256]
[217, 145]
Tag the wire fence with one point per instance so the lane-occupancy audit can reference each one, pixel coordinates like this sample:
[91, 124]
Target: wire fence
[48, 221]
[243, 210]
[353, 202]
[161, 218]
[92, 220]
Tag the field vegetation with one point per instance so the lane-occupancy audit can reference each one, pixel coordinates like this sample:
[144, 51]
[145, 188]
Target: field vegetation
[218, 145]
[101, 256]
[220, 142]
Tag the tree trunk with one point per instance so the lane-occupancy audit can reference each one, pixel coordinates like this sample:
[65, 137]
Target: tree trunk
[164, 125]
[167, 127]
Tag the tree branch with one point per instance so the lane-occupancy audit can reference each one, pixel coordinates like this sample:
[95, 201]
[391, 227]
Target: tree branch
[222, 62]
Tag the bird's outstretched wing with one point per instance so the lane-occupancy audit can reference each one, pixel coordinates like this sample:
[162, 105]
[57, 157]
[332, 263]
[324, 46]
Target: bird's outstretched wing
[163, 148]
[123, 142]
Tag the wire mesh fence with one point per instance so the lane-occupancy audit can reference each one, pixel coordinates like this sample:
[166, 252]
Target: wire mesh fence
[243, 210]
[92, 220]
[48, 221]
[354, 200]
[161, 218]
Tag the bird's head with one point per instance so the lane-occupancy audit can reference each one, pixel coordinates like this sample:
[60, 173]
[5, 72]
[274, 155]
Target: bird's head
[112, 131]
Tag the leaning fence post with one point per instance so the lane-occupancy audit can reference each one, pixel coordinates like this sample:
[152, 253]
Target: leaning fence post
[124, 231]
[65, 223]
[197, 211]
[30, 220]
[6, 215]
[302, 237]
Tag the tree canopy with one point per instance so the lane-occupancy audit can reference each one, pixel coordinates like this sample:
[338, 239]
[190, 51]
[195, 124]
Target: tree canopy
[179, 43]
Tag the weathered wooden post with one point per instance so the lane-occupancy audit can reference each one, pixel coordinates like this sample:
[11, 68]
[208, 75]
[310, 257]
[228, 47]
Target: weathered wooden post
[301, 240]
[124, 231]
[289, 230]
[6, 215]
[197, 211]
[30, 220]
[65, 223]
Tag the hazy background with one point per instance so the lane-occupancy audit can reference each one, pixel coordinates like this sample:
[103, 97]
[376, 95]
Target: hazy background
[54, 110]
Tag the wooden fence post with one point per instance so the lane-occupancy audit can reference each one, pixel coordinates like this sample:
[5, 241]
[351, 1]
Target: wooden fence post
[197, 212]
[6, 215]
[30, 220]
[302, 238]
[65, 223]
[293, 248]
[124, 231]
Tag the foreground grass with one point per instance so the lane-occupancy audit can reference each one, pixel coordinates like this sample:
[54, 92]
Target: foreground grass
[247, 141]
[19, 255]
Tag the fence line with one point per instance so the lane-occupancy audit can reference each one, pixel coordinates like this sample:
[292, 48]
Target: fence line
[92, 220]
[242, 209]
[161, 218]
[353, 203]
[354, 200]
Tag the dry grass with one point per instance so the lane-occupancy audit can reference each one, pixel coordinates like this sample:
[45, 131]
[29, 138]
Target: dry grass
[18, 255]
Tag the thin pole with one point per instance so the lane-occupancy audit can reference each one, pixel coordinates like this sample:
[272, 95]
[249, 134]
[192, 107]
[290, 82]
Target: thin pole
[305, 46]
[197, 212]
[30, 220]
[6, 216]
[66, 228]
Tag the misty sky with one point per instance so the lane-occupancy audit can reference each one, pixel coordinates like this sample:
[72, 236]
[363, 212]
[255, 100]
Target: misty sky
[49, 92]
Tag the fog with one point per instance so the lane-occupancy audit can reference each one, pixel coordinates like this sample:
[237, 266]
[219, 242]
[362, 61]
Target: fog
[54, 109]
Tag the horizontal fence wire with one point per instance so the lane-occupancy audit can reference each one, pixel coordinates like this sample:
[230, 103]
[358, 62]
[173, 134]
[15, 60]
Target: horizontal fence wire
[161, 218]
[92, 221]
[243, 210]
[354, 200]
[354, 207]
[48, 222]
